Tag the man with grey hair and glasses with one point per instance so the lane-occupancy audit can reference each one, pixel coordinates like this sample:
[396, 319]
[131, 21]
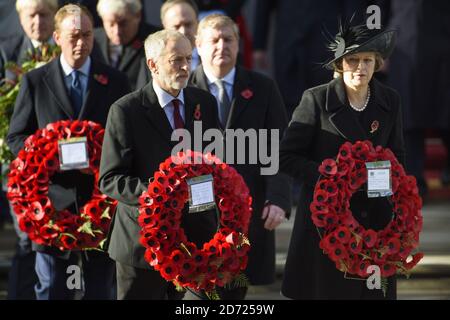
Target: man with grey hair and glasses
[137, 139]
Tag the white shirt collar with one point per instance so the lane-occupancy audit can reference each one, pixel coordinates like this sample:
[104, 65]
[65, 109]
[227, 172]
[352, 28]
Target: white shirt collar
[37, 44]
[164, 98]
[67, 69]
[228, 79]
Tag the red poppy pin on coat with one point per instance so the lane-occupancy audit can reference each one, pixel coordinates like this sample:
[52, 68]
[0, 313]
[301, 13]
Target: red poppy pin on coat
[197, 112]
[374, 126]
[101, 78]
[247, 94]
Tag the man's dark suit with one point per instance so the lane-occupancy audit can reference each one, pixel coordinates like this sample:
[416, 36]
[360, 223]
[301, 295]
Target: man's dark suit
[137, 140]
[133, 53]
[14, 49]
[43, 99]
[22, 278]
[264, 110]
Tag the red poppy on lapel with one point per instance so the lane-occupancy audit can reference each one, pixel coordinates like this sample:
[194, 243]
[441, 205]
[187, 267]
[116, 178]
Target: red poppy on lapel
[374, 126]
[137, 44]
[247, 94]
[101, 78]
[197, 112]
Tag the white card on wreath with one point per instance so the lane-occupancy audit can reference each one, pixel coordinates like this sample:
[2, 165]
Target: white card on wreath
[73, 154]
[379, 180]
[201, 193]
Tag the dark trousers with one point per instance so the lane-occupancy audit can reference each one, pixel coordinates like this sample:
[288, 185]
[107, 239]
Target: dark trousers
[415, 157]
[143, 284]
[22, 277]
[57, 277]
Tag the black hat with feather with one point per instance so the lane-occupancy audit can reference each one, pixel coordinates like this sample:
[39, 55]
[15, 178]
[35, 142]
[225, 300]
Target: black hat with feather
[354, 39]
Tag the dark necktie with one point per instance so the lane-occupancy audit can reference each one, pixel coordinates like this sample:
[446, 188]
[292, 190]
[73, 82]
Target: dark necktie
[178, 120]
[76, 93]
[224, 103]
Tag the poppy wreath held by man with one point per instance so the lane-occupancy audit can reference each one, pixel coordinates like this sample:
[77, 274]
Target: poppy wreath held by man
[221, 260]
[28, 187]
[346, 242]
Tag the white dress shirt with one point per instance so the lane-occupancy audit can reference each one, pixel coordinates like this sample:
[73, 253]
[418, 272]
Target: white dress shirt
[228, 82]
[165, 101]
[84, 74]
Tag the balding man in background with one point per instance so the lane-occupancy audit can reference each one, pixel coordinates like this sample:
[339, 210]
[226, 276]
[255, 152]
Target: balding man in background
[181, 16]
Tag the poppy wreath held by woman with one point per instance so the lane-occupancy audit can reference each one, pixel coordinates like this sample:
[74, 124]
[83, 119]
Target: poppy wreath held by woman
[346, 242]
[221, 260]
[28, 186]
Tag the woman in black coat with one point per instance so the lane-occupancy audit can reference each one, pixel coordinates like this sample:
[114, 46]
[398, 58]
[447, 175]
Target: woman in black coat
[344, 109]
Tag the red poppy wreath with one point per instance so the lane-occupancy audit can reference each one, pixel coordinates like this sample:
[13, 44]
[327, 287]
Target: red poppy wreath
[28, 186]
[221, 260]
[347, 243]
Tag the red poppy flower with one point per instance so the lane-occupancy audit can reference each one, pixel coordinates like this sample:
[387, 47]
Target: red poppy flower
[151, 242]
[36, 212]
[393, 245]
[199, 258]
[319, 219]
[197, 112]
[68, 241]
[342, 168]
[169, 270]
[362, 268]
[187, 268]
[331, 188]
[337, 253]
[177, 257]
[360, 150]
[328, 243]
[247, 94]
[48, 232]
[345, 152]
[151, 257]
[101, 78]
[343, 234]
[328, 167]
[320, 197]
[370, 238]
[149, 221]
[226, 250]
[354, 245]
[25, 224]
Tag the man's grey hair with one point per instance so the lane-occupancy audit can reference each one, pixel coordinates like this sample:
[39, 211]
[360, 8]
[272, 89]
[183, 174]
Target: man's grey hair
[51, 4]
[156, 42]
[119, 6]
